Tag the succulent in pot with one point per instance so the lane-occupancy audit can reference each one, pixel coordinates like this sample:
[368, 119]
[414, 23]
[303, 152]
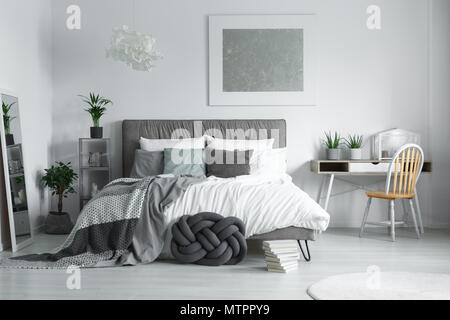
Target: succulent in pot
[354, 143]
[59, 178]
[96, 107]
[7, 119]
[332, 142]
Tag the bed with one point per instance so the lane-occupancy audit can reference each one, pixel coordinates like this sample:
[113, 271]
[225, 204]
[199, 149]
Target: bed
[129, 221]
[132, 130]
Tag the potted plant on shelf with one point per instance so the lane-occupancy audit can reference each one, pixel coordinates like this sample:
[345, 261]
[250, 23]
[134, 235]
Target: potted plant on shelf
[59, 179]
[96, 108]
[354, 143]
[7, 122]
[332, 142]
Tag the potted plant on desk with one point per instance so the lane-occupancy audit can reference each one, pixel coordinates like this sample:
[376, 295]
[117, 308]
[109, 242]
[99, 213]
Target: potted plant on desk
[354, 143]
[96, 108]
[59, 179]
[332, 142]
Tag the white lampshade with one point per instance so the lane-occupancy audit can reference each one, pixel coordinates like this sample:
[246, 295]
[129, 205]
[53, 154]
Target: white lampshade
[134, 48]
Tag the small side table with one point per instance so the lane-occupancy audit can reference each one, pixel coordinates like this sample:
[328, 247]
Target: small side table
[95, 167]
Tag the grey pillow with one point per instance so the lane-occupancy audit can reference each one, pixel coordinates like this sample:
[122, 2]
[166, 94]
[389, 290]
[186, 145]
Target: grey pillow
[147, 163]
[227, 164]
[184, 162]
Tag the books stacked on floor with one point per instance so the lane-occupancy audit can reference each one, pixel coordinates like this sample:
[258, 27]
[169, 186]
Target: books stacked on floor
[281, 255]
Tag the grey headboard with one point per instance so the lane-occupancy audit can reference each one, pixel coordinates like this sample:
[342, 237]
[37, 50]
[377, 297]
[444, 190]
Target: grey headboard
[132, 130]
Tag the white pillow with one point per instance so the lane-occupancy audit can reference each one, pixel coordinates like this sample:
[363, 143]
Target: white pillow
[241, 145]
[273, 162]
[161, 144]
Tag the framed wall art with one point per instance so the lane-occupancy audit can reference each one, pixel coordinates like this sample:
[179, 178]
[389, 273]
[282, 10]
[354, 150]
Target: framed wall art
[262, 60]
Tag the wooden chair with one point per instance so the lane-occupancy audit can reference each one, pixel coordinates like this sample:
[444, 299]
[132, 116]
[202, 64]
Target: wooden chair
[405, 170]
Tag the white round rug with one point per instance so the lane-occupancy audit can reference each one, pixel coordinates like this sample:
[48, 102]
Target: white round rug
[382, 286]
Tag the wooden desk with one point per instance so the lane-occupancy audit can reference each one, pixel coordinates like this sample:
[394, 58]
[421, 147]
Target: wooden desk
[356, 167]
[335, 168]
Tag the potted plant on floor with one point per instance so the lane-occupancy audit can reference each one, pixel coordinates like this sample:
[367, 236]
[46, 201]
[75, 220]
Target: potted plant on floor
[96, 108]
[354, 143]
[332, 142]
[7, 122]
[59, 179]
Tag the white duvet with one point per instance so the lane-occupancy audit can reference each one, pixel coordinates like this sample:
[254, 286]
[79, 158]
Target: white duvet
[263, 203]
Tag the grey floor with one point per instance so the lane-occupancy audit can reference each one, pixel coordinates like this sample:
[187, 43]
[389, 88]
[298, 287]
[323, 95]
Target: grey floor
[337, 251]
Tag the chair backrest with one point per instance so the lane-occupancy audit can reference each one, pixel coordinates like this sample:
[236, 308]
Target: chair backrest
[405, 169]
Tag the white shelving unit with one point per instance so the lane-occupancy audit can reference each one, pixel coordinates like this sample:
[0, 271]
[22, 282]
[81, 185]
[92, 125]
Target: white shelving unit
[93, 172]
[17, 183]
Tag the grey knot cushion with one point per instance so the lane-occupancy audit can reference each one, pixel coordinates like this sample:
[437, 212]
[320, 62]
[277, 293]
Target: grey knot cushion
[209, 239]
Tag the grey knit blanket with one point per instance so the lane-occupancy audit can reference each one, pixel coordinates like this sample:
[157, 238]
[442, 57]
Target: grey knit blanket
[121, 225]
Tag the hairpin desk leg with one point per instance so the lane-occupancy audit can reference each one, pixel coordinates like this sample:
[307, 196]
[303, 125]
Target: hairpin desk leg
[405, 212]
[330, 186]
[308, 256]
[322, 184]
[419, 212]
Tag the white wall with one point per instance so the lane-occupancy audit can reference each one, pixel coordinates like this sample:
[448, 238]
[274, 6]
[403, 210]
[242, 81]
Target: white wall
[368, 80]
[26, 68]
[440, 109]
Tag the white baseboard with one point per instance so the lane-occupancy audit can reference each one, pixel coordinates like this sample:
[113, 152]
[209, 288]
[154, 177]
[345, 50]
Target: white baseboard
[410, 223]
[34, 232]
[38, 229]
[5, 245]
[439, 226]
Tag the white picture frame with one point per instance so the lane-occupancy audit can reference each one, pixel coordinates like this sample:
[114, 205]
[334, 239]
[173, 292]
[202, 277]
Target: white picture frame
[305, 97]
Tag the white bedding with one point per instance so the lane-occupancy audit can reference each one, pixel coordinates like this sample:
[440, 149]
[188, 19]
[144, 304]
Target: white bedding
[264, 203]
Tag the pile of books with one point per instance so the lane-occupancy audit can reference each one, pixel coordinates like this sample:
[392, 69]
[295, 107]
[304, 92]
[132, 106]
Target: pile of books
[281, 255]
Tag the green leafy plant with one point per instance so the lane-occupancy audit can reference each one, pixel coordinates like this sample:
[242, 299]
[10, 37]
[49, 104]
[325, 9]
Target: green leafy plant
[6, 117]
[60, 179]
[96, 106]
[332, 141]
[354, 141]
[20, 179]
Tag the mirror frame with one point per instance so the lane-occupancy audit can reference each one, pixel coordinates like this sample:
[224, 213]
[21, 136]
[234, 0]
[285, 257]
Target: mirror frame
[15, 246]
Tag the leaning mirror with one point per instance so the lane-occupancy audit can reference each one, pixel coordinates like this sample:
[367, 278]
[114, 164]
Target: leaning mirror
[13, 165]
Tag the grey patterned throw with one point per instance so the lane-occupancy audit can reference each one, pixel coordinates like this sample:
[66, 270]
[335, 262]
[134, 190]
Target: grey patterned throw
[121, 225]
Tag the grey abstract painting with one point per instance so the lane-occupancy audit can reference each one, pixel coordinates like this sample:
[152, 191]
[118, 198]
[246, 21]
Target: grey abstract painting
[262, 60]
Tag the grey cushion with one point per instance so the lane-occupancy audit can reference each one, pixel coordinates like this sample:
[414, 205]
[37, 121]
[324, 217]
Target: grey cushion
[184, 162]
[147, 163]
[227, 164]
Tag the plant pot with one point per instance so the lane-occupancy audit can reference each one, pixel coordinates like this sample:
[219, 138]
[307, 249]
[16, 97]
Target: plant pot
[58, 223]
[96, 132]
[333, 154]
[355, 154]
[9, 139]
